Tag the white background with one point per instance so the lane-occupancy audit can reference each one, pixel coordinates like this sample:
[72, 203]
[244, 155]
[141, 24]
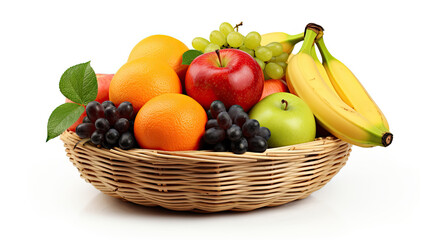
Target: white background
[381, 193]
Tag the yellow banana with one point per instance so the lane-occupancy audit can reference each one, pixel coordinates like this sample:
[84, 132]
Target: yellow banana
[321, 69]
[288, 41]
[350, 89]
[329, 109]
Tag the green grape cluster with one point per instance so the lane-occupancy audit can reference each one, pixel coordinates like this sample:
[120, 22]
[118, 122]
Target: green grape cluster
[271, 57]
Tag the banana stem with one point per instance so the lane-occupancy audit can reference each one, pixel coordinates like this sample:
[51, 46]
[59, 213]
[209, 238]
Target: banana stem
[387, 139]
[310, 36]
[294, 39]
[326, 55]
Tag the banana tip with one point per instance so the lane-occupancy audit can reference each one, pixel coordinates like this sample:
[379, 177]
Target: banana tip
[387, 139]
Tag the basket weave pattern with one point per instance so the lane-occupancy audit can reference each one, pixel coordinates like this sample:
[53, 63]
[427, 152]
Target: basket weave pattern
[207, 181]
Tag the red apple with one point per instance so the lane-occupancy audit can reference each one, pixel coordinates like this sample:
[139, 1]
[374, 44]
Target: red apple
[103, 81]
[229, 75]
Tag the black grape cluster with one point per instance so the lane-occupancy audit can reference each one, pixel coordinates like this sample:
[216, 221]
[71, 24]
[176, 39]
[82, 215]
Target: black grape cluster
[108, 126]
[233, 131]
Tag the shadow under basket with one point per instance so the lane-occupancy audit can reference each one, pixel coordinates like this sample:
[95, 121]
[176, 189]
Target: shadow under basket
[205, 181]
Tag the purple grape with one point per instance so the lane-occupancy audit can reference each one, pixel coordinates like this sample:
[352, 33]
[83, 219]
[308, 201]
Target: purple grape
[264, 132]
[234, 133]
[102, 125]
[214, 135]
[107, 104]
[97, 137]
[112, 136]
[224, 120]
[250, 128]
[94, 111]
[126, 141]
[216, 107]
[240, 118]
[84, 130]
[240, 146]
[233, 110]
[122, 125]
[211, 123]
[257, 144]
[126, 110]
[112, 115]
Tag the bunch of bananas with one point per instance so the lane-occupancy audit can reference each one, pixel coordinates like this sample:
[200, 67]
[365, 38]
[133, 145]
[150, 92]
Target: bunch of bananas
[338, 100]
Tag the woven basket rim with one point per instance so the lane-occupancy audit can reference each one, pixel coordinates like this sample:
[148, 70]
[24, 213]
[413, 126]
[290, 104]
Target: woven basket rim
[198, 155]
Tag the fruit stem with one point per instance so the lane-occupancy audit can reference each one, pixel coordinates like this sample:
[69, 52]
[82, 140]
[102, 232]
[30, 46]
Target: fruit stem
[285, 104]
[294, 39]
[310, 36]
[218, 57]
[312, 32]
[319, 29]
[387, 139]
[326, 55]
[238, 25]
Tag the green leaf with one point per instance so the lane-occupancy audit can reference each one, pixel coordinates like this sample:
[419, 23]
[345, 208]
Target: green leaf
[63, 117]
[79, 84]
[189, 56]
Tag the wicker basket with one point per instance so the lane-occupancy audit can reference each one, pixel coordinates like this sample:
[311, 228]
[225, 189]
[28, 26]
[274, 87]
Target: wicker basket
[205, 181]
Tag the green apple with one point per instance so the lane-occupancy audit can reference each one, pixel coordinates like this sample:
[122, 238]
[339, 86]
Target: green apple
[287, 116]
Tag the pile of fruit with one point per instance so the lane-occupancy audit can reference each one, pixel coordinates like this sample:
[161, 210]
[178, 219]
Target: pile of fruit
[233, 92]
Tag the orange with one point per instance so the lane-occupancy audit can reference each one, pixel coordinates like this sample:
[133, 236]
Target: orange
[273, 86]
[142, 79]
[172, 122]
[164, 48]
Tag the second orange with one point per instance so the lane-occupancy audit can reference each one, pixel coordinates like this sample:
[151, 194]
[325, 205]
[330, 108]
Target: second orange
[140, 80]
